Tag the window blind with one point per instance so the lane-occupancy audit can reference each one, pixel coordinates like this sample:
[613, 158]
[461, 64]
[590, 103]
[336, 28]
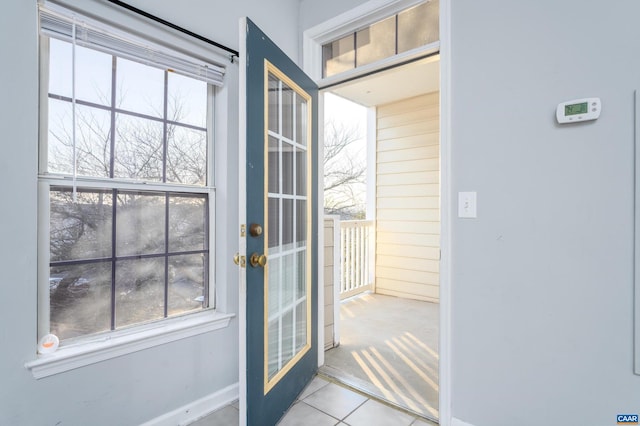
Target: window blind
[88, 34]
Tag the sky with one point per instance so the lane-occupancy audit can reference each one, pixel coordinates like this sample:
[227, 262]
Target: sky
[341, 110]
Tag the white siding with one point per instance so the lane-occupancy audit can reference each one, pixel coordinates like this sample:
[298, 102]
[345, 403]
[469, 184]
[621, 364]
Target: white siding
[408, 198]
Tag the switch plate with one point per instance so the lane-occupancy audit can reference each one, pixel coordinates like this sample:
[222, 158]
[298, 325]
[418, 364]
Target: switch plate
[467, 205]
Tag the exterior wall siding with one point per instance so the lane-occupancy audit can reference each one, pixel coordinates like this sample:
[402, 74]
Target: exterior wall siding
[408, 198]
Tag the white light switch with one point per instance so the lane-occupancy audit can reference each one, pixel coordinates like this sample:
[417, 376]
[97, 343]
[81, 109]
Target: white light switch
[467, 206]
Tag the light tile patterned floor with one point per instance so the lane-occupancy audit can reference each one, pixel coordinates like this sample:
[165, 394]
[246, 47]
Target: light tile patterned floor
[325, 403]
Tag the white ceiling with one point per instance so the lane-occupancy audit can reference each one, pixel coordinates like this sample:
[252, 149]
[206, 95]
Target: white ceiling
[405, 81]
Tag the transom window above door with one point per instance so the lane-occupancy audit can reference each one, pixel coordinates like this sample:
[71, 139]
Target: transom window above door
[412, 28]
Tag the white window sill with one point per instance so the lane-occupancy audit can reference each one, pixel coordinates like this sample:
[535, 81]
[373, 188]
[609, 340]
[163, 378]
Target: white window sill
[125, 342]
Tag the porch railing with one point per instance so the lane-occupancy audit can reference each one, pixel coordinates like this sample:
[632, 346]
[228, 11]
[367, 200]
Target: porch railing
[356, 254]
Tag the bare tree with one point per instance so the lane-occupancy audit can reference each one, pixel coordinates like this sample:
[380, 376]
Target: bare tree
[138, 147]
[81, 227]
[344, 171]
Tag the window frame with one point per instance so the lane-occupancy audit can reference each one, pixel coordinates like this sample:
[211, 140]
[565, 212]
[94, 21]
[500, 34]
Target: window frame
[354, 19]
[91, 348]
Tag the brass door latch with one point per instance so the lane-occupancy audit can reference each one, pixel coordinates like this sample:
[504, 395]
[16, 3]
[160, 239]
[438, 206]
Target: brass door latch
[240, 260]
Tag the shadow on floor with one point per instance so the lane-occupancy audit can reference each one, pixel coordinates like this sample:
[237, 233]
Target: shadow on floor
[389, 349]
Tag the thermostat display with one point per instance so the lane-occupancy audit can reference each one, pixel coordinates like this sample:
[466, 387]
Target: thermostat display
[573, 109]
[578, 110]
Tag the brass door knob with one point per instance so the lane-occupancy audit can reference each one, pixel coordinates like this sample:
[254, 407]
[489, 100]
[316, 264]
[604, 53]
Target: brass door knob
[236, 259]
[258, 260]
[255, 230]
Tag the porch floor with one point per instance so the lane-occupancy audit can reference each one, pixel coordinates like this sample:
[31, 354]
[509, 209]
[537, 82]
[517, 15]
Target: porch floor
[389, 349]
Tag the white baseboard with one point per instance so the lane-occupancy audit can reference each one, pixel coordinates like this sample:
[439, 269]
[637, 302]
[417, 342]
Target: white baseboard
[458, 422]
[197, 409]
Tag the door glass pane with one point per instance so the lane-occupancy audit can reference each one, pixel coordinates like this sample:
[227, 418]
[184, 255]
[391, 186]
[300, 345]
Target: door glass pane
[287, 223]
[287, 168]
[274, 166]
[376, 42]
[301, 223]
[339, 56]
[301, 279]
[274, 103]
[288, 333]
[301, 329]
[274, 225]
[287, 111]
[274, 344]
[301, 120]
[274, 285]
[288, 280]
[301, 175]
[418, 26]
[287, 175]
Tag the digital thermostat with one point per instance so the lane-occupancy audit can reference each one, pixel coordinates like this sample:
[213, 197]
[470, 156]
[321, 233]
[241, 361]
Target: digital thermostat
[578, 110]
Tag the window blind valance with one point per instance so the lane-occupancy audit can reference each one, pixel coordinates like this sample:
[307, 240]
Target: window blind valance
[61, 25]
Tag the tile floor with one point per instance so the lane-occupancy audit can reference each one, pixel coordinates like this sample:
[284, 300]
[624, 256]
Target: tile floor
[326, 403]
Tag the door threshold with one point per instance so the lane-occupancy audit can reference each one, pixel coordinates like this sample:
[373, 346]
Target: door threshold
[362, 387]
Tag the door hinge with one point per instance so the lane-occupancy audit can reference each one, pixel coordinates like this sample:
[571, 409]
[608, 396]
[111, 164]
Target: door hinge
[243, 230]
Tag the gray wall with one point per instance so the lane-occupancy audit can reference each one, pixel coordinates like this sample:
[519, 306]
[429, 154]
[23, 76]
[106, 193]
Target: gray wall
[542, 279]
[219, 19]
[314, 12]
[141, 386]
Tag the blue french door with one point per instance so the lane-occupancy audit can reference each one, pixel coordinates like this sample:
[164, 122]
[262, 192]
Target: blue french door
[282, 228]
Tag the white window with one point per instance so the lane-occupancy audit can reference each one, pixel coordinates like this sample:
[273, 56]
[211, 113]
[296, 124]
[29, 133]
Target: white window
[409, 29]
[126, 180]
